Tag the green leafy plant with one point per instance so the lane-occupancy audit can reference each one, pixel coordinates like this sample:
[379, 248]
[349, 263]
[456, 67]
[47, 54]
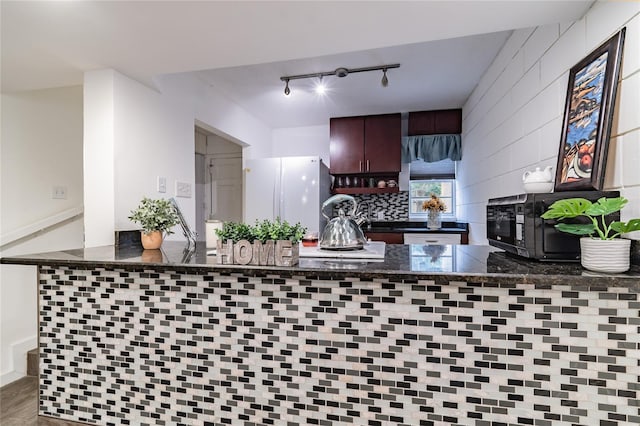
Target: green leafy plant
[596, 212]
[155, 215]
[261, 231]
[278, 230]
[235, 231]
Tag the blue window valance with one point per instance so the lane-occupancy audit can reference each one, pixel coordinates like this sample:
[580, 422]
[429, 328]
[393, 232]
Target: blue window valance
[431, 148]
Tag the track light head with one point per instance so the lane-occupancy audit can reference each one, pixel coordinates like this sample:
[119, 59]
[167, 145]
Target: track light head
[287, 91]
[320, 87]
[385, 80]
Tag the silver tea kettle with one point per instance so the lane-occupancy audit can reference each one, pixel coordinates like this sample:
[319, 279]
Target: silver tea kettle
[342, 232]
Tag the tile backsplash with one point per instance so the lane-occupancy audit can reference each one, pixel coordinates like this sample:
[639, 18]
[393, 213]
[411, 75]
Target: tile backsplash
[393, 206]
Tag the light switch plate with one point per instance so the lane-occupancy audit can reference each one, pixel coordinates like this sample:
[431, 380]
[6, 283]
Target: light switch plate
[162, 184]
[183, 189]
[59, 192]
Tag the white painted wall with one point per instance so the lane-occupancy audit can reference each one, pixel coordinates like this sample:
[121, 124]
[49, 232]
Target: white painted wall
[302, 141]
[232, 122]
[41, 146]
[153, 136]
[41, 134]
[512, 120]
[98, 158]
[139, 133]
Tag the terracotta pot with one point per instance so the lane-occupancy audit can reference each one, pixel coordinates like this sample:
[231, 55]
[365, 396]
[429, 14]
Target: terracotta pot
[610, 256]
[152, 240]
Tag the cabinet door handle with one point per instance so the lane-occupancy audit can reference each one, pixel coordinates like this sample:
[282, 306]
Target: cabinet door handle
[430, 241]
[360, 165]
[368, 169]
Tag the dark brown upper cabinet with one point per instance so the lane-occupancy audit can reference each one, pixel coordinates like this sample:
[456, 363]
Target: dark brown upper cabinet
[367, 144]
[346, 145]
[382, 146]
[445, 121]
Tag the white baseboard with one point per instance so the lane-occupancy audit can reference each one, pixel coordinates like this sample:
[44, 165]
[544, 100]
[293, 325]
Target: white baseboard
[18, 361]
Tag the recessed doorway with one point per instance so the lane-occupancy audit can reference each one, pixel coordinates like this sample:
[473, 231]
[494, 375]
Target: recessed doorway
[218, 192]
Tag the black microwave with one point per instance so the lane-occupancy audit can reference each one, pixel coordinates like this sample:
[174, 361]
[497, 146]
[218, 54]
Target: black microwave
[514, 225]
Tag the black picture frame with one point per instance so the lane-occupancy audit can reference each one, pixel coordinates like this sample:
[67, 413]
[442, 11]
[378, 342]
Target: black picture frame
[588, 114]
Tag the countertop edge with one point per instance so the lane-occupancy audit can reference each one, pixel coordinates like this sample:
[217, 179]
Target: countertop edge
[589, 281]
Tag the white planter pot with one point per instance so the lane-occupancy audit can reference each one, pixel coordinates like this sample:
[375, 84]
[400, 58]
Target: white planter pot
[611, 256]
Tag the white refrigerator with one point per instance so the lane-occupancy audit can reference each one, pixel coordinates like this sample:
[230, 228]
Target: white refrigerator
[291, 188]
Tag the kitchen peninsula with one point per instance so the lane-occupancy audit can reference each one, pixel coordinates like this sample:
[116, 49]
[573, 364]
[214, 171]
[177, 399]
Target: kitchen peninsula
[433, 334]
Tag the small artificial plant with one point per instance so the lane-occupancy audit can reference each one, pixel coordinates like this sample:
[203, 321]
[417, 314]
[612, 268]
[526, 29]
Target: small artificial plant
[235, 232]
[261, 231]
[155, 215]
[278, 230]
[596, 212]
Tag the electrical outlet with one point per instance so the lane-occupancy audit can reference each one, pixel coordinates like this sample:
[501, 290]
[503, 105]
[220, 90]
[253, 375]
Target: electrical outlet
[380, 215]
[59, 192]
[162, 184]
[183, 189]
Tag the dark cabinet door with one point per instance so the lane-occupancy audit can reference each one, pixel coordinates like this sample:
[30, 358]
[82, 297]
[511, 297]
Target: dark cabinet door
[422, 123]
[446, 121]
[346, 147]
[382, 143]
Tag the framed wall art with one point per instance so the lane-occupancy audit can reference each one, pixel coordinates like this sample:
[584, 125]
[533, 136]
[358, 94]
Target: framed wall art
[587, 118]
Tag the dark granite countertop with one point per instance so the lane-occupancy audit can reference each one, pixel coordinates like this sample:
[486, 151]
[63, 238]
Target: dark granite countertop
[440, 263]
[416, 227]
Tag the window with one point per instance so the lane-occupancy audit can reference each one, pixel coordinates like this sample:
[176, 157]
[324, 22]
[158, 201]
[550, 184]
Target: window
[421, 190]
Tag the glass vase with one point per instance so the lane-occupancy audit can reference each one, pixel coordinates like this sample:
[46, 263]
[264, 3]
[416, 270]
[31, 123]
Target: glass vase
[434, 219]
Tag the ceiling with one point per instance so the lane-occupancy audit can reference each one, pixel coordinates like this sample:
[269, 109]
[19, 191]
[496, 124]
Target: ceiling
[243, 47]
[432, 75]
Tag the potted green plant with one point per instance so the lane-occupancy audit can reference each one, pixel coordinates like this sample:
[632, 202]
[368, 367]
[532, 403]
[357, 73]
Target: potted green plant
[601, 248]
[155, 217]
[266, 243]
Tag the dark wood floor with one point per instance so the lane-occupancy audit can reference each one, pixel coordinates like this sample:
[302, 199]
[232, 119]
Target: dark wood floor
[19, 405]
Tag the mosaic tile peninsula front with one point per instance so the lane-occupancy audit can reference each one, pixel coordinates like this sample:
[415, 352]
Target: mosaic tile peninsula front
[142, 347]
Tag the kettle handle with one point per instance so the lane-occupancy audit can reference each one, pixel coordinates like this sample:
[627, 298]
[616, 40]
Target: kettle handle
[336, 199]
[525, 175]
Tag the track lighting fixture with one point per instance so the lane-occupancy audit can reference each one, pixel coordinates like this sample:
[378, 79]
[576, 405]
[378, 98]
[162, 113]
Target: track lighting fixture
[338, 72]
